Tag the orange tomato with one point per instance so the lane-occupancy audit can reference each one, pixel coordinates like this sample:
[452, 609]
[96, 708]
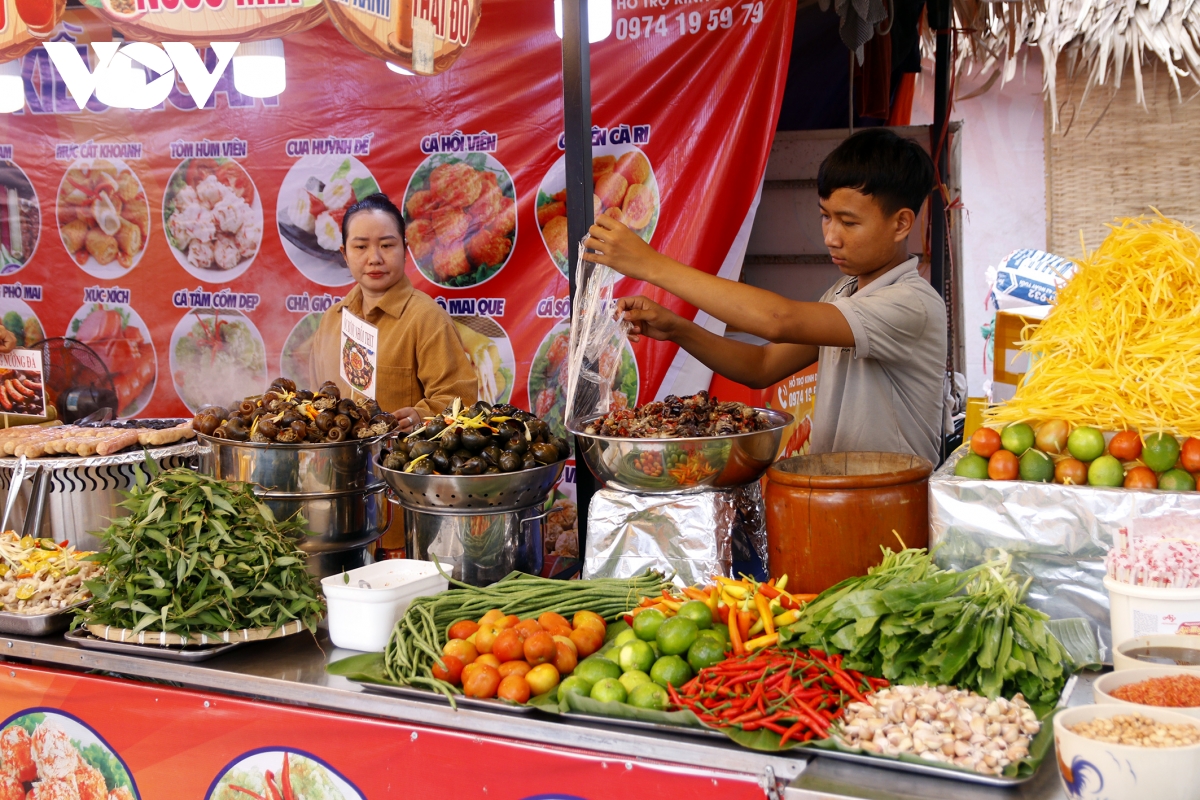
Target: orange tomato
[511, 621]
[527, 628]
[487, 658]
[1189, 456]
[985, 441]
[491, 617]
[482, 682]
[539, 648]
[508, 646]
[587, 640]
[1052, 436]
[453, 671]
[1126, 446]
[551, 620]
[462, 649]
[514, 668]
[1141, 478]
[1003, 466]
[565, 659]
[485, 637]
[1069, 471]
[566, 640]
[463, 629]
[513, 688]
[590, 618]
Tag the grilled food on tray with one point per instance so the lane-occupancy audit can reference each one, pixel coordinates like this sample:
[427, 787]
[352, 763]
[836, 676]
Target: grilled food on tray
[33, 441]
[675, 417]
[477, 440]
[287, 415]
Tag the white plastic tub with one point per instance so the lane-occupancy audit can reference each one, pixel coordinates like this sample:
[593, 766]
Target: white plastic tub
[366, 603]
[1145, 611]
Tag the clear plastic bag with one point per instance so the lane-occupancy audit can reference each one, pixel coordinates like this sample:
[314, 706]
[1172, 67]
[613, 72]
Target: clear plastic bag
[597, 338]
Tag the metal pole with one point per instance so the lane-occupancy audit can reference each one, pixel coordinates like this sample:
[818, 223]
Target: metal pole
[577, 122]
[939, 16]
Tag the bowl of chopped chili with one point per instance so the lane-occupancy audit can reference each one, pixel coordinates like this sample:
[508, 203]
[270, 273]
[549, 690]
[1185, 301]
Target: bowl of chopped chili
[1160, 687]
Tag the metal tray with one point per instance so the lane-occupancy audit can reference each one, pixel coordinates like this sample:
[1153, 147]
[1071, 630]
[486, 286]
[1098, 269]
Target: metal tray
[934, 770]
[641, 725]
[37, 624]
[186, 654]
[437, 697]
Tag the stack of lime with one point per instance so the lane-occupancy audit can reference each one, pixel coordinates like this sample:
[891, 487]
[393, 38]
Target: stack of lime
[637, 665]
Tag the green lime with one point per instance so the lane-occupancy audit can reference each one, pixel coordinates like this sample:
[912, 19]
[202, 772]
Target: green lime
[633, 679]
[1086, 444]
[671, 670]
[1105, 471]
[645, 624]
[624, 637]
[1036, 466]
[649, 695]
[676, 635]
[608, 690]
[972, 466]
[575, 685]
[1176, 480]
[635, 655]
[595, 669]
[715, 635]
[705, 652]
[1160, 451]
[1017, 438]
[697, 612]
[723, 629]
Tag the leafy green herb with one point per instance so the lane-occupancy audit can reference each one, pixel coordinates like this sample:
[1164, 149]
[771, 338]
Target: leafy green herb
[198, 555]
[911, 622]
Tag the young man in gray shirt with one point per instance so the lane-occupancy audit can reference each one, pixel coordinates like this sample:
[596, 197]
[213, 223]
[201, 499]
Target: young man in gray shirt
[878, 335]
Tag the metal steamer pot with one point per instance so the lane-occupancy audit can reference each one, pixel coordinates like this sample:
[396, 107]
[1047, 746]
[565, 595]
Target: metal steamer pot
[330, 485]
[71, 499]
[479, 527]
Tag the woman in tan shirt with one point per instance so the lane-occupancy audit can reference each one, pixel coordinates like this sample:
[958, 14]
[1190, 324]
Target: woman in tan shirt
[421, 366]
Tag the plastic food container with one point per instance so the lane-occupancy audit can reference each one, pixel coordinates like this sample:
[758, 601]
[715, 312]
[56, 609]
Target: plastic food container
[1089, 766]
[1106, 684]
[366, 603]
[1145, 611]
[1165, 650]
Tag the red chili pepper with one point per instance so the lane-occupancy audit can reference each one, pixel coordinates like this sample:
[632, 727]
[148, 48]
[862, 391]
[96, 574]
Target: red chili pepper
[791, 731]
[747, 717]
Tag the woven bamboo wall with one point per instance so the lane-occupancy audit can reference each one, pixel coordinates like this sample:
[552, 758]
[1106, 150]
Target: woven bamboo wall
[1111, 157]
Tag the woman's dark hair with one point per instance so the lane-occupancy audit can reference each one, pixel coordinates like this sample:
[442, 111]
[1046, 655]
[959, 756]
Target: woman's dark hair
[373, 202]
[893, 170]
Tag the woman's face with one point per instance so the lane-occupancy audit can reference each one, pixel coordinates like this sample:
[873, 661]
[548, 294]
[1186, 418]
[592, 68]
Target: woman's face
[374, 251]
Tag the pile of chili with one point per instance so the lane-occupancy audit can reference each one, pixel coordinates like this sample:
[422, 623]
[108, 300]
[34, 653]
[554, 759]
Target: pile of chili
[795, 693]
[1171, 691]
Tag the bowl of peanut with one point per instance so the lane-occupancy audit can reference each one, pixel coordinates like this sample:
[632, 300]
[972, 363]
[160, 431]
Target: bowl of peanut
[1119, 752]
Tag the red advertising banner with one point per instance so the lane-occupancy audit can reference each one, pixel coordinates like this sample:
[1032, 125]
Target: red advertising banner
[196, 248]
[70, 735]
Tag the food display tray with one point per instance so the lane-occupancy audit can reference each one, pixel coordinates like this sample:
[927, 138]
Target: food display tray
[36, 624]
[190, 654]
[934, 770]
[410, 693]
[642, 725]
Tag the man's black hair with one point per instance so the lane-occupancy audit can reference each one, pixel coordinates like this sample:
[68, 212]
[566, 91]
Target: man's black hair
[373, 202]
[877, 162]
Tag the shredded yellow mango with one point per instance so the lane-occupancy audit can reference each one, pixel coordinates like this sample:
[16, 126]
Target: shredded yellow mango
[1121, 349]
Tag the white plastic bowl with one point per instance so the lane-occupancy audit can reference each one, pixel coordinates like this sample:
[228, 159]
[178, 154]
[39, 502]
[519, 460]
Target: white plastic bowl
[1122, 660]
[1146, 610]
[1091, 769]
[366, 603]
[1104, 686]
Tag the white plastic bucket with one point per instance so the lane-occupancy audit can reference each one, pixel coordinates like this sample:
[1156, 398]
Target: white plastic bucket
[1146, 611]
[366, 603]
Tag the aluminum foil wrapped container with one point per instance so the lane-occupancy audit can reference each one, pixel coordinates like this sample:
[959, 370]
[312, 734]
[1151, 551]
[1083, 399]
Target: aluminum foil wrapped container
[694, 536]
[1057, 535]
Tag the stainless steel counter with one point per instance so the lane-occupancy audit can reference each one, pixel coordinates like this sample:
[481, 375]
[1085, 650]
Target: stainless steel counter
[292, 671]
